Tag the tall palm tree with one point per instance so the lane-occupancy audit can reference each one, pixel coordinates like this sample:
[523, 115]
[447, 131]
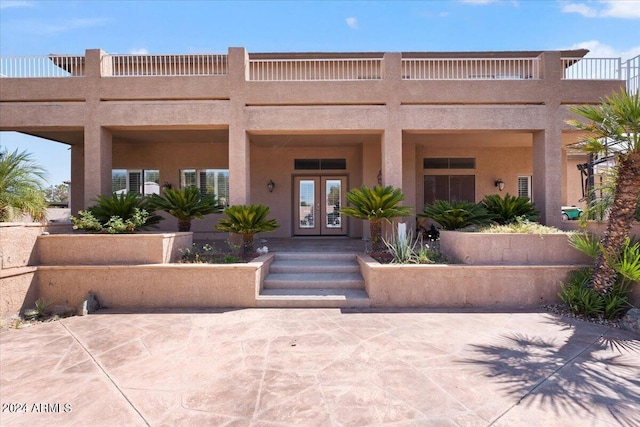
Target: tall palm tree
[185, 205]
[247, 220]
[21, 186]
[376, 205]
[613, 127]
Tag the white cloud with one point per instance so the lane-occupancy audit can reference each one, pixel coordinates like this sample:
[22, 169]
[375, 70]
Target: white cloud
[605, 9]
[352, 22]
[141, 51]
[5, 4]
[601, 50]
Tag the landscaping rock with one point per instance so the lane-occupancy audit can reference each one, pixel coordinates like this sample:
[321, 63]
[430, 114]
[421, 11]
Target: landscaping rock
[89, 305]
[631, 321]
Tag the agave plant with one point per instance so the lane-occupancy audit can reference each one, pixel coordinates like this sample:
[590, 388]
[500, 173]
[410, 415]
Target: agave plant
[456, 215]
[376, 205]
[508, 209]
[185, 205]
[247, 220]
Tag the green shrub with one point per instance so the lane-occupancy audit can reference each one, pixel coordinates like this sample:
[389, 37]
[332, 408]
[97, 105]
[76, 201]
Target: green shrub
[123, 206]
[582, 299]
[247, 220]
[508, 209]
[185, 205]
[456, 215]
[124, 213]
[520, 225]
[587, 243]
[114, 225]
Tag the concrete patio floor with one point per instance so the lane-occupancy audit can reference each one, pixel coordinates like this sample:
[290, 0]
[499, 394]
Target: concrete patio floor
[324, 367]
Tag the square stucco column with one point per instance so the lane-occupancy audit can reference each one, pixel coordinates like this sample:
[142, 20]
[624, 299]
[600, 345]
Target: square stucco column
[97, 162]
[77, 178]
[392, 157]
[239, 167]
[547, 175]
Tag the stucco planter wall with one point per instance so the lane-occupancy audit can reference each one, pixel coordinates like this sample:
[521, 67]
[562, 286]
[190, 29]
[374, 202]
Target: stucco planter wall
[458, 286]
[509, 249]
[107, 249]
[155, 286]
[597, 227]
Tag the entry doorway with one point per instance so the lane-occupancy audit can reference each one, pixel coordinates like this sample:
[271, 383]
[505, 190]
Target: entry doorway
[317, 201]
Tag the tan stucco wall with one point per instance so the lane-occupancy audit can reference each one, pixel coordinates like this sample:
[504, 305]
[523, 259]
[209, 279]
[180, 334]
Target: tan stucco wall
[509, 249]
[153, 286]
[87, 111]
[101, 249]
[456, 286]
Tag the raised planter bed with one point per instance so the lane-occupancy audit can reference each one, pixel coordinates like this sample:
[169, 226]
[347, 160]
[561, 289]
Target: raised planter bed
[110, 249]
[155, 286]
[461, 286]
[509, 249]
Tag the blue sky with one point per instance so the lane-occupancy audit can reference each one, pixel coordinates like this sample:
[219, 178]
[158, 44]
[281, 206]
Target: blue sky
[606, 28]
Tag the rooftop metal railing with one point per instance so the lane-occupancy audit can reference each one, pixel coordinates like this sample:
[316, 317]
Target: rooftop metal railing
[470, 68]
[164, 65]
[631, 73]
[42, 66]
[315, 69]
[592, 68]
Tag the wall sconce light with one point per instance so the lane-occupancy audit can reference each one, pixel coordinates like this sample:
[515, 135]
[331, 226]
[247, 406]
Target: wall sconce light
[167, 185]
[380, 177]
[500, 184]
[271, 185]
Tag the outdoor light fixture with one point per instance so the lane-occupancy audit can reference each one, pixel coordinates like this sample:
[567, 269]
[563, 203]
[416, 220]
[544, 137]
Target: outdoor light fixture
[380, 177]
[271, 185]
[167, 185]
[500, 184]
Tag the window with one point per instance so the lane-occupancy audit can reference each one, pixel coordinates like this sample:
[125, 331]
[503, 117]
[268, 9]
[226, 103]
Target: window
[319, 164]
[209, 181]
[449, 188]
[449, 163]
[524, 187]
[141, 181]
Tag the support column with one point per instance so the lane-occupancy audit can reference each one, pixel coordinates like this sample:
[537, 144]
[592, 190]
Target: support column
[239, 167]
[392, 157]
[76, 191]
[547, 175]
[239, 148]
[97, 162]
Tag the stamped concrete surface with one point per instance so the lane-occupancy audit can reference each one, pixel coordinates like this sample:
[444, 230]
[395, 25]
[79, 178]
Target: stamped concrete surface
[323, 367]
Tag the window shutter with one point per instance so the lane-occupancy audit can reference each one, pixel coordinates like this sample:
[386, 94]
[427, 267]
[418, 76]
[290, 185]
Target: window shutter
[524, 187]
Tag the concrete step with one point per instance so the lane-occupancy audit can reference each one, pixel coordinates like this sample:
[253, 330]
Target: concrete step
[314, 281]
[308, 256]
[314, 266]
[313, 298]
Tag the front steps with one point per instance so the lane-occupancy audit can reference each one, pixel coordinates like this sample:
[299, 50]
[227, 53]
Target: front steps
[314, 280]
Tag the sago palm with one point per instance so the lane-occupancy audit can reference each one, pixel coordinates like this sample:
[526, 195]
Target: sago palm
[456, 215]
[247, 220]
[376, 205]
[123, 206]
[613, 129]
[21, 186]
[185, 205]
[507, 209]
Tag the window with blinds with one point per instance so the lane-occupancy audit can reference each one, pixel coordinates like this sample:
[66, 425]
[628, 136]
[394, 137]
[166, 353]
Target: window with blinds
[209, 181]
[524, 187]
[139, 181]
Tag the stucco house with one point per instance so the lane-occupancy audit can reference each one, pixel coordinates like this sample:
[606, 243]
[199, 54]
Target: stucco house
[295, 131]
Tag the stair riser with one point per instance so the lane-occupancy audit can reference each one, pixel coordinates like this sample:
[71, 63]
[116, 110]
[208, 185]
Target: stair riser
[293, 269]
[318, 303]
[334, 284]
[301, 256]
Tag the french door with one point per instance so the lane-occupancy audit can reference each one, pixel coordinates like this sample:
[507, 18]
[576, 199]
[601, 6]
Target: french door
[317, 203]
